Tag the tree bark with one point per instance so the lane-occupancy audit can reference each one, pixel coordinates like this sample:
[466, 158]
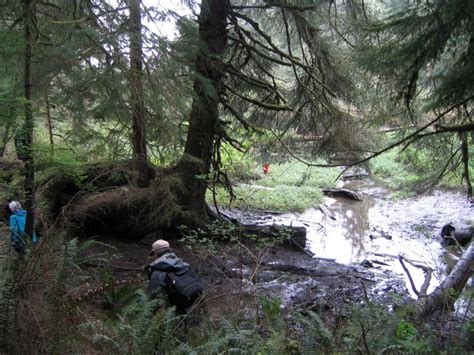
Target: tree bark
[195, 164]
[444, 296]
[27, 132]
[136, 95]
[465, 160]
[49, 123]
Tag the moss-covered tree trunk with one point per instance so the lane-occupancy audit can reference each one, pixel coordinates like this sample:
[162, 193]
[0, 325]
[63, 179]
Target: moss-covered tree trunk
[208, 87]
[27, 131]
[136, 95]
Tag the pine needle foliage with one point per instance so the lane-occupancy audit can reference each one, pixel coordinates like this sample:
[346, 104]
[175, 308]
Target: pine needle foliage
[425, 52]
[287, 71]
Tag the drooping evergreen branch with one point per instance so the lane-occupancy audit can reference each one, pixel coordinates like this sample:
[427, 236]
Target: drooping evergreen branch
[272, 47]
[410, 136]
[276, 5]
[252, 49]
[259, 103]
[312, 93]
[298, 158]
[445, 167]
[237, 115]
[254, 81]
[257, 51]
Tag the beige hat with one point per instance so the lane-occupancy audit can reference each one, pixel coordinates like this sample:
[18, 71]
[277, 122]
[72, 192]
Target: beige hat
[158, 245]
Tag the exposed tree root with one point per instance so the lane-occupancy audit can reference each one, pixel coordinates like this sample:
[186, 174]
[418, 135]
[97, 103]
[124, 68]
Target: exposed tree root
[105, 202]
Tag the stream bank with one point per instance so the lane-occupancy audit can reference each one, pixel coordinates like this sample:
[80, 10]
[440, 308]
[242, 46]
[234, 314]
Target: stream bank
[372, 233]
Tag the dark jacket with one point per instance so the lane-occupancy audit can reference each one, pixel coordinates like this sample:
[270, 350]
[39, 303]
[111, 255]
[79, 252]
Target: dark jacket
[158, 270]
[174, 278]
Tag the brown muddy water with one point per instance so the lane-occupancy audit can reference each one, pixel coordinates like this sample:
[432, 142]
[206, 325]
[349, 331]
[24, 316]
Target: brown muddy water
[375, 231]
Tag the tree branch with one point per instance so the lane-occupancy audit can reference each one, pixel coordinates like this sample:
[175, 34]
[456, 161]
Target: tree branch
[265, 105]
[270, 6]
[254, 81]
[237, 115]
[410, 136]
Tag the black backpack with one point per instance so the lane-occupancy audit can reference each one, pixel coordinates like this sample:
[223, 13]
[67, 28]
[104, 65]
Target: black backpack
[185, 286]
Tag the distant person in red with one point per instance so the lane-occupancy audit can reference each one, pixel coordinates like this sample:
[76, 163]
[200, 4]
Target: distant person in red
[266, 168]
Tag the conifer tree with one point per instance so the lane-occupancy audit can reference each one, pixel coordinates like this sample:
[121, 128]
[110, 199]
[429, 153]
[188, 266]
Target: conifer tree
[27, 131]
[426, 50]
[136, 94]
[263, 65]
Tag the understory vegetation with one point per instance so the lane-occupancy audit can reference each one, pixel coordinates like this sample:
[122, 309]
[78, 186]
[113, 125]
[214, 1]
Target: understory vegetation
[288, 186]
[114, 134]
[68, 307]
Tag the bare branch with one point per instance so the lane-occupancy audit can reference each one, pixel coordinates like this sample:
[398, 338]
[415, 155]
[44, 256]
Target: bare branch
[412, 283]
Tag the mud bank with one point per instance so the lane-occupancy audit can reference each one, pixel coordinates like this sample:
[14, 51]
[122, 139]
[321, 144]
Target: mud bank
[374, 232]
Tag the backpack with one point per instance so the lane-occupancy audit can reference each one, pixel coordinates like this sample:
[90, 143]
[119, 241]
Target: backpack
[185, 286]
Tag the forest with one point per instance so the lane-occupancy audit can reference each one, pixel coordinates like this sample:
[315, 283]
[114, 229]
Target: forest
[304, 164]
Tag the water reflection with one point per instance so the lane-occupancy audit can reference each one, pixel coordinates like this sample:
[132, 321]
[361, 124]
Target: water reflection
[380, 228]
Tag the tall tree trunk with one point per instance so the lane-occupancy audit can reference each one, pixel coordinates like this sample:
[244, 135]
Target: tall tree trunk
[27, 132]
[49, 123]
[196, 161]
[136, 95]
[465, 159]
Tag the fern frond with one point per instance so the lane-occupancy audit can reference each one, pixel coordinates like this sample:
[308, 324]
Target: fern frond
[315, 334]
[66, 261]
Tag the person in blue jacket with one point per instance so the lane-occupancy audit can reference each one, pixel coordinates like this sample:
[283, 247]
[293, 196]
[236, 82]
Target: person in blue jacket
[17, 227]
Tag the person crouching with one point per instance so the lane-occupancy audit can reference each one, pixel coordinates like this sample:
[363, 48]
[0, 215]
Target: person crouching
[168, 273]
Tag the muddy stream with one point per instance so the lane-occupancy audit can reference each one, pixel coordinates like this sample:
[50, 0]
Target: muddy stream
[371, 234]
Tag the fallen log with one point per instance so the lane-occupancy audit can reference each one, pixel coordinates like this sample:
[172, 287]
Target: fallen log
[342, 193]
[444, 296]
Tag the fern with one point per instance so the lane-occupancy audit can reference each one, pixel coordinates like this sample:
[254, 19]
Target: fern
[315, 334]
[7, 294]
[66, 262]
[139, 327]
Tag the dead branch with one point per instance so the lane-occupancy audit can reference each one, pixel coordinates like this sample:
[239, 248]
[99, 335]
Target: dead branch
[446, 294]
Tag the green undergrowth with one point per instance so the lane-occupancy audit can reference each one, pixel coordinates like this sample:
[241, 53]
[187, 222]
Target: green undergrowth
[416, 170]
[261, 326]
[78, 309]
[290, 186]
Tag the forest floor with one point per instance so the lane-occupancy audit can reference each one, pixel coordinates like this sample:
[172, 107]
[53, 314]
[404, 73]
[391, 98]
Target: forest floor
[242, 271]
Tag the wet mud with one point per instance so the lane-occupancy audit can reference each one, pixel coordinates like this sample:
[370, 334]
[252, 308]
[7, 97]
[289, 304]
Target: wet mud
[354, 246]
[374, 232]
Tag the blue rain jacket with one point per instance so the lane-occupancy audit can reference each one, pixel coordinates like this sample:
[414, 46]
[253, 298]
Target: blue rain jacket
[17, 229]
